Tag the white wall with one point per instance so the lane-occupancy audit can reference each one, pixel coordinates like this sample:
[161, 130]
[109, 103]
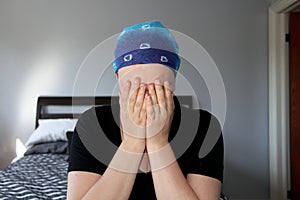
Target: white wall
[43, 42]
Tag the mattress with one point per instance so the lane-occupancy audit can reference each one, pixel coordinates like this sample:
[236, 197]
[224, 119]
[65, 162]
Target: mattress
[36, 176]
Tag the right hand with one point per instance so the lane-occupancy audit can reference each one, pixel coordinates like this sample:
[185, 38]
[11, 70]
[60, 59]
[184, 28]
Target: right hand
[133, 116]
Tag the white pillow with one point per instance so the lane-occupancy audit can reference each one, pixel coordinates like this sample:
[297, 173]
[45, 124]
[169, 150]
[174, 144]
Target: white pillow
[51, 130]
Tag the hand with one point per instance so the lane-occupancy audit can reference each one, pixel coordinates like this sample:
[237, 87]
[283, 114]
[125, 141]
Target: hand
[133, 116]
[160, 109]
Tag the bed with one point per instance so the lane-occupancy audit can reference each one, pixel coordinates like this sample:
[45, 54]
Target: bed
[42, 172]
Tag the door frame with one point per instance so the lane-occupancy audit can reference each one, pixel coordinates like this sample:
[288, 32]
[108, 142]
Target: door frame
[279, 163]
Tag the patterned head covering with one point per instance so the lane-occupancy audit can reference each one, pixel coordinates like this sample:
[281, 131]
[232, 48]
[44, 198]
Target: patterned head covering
[147, 42]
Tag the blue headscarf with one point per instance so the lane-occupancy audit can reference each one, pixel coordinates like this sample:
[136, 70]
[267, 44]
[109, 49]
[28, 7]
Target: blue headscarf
[147, 42]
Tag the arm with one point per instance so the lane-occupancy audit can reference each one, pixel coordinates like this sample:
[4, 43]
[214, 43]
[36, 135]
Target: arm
[115, 183]
[204, 186]
[118, 179]
[170, 183]
[168, 179]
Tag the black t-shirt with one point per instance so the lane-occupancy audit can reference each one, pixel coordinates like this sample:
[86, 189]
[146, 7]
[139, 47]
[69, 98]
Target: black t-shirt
[188, 131]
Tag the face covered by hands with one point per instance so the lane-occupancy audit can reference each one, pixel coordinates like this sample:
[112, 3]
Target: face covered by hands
[146, 105]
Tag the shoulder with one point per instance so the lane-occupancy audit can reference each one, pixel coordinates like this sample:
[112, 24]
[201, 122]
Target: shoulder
[205, 154]
[202, 116]
[99, 121]
[96, 113]
[207, 128]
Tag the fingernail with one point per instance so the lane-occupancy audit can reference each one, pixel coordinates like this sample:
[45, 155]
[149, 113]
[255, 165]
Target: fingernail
[136, 80]
[167, 85]
[157, 81]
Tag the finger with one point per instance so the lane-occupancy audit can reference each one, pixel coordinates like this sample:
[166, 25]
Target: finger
[160, 94]
[149, 107]
[122, 134]
[169, 97]
[133, 94]
[123, 105]
[139, 100]
[121, 100]
[135, 83]
[124, 94]
[152, 93]
[143, 113]
[126, 91]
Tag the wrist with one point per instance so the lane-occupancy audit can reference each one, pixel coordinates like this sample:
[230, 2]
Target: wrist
[153, 146]
[161, 158]
[135, 147]
[125, 161]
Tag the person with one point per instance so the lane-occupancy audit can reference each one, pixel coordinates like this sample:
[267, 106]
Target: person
[145, 163]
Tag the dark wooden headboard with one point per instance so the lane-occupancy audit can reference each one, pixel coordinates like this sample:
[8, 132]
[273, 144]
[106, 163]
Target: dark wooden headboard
[45, 101]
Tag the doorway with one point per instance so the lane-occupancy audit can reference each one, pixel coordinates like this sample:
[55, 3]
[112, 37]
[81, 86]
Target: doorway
[294, 76]
[279, 102]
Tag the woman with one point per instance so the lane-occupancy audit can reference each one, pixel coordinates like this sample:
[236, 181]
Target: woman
[145, 165]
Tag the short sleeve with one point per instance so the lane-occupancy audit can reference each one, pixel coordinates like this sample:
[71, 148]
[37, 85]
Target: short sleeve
[211, 165]
[88, 126]
[80, 158]
[206, 154]
[97, 128]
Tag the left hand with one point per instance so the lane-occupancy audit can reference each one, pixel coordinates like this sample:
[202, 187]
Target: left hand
[133, 116]
[160, 109]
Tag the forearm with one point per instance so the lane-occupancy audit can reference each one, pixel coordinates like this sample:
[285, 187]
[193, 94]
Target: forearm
[118, 179]
[168, 179]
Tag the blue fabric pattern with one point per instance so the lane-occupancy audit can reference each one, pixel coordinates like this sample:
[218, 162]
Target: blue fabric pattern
[147, 42]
